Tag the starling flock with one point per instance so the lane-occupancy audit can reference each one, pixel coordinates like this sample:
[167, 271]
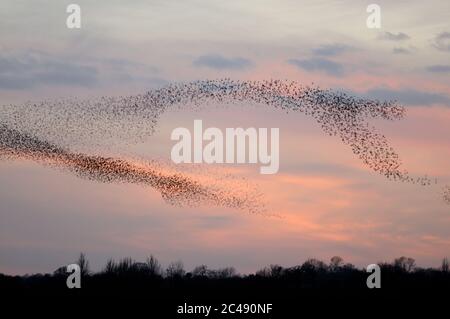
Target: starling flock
[447, 194]
[72, 133]
[174, 187]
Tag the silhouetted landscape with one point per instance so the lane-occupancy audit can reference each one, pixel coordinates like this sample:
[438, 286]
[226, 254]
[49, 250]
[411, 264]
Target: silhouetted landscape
[401, 280]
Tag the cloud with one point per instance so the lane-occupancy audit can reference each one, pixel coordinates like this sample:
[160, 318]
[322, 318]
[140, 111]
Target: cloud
[332, 49]
[401, 51]
[319, 64]
[31, 69]
[394, 37]
[28, 69]
[410, 97]
[439, 68]
[442, 41]
[219, 62]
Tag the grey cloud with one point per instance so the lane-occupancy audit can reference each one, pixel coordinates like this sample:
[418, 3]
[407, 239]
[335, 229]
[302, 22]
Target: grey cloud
[25, 70]
[32, 69]
[409, 96]
[221, 63]
[319, 64]
[332, 49]
[394, 37]
[439, 68]
[401, 51]
[442, 41]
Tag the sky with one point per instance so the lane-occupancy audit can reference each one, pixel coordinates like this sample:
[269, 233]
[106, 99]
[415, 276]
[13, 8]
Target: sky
[323, 201]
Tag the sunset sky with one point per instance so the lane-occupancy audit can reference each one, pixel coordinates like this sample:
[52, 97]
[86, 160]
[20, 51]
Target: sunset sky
[323, 201]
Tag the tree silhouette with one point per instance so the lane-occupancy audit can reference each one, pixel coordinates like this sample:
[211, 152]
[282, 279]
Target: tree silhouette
[175, 270]
[338, 280]
[445, 266]
[405, 263]
[83, 263]
[336, 263]
[110, 267]
[313, 264]
[154, 267]
[200, 271]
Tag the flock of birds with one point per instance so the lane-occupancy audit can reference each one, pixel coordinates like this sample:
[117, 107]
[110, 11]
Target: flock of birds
[175, 187]
[72, 133]
[447, 194]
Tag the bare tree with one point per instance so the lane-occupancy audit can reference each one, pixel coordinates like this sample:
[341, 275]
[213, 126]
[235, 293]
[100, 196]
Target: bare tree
[200, 271]
[154, 267]
[271, 271]
[336, 262]
[227, 272]
[313, 264]
[175, 269]
[83, 263]
[445, 266]
[125, 265]
[110, 267]
[264, 272]
[276, 271]
[405, 263]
